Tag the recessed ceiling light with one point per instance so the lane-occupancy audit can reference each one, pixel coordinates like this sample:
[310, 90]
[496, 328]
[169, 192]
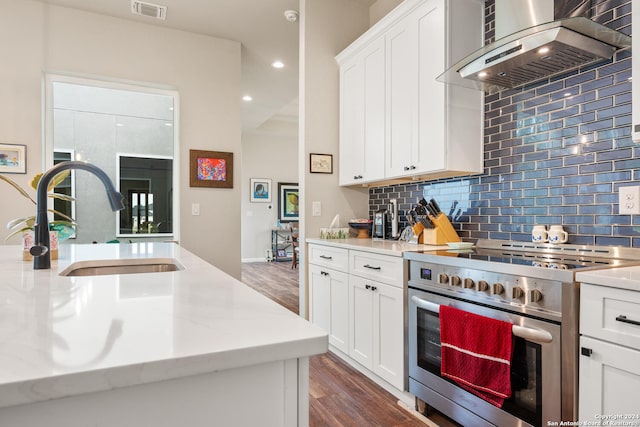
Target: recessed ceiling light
[247, 98]
[277, 64]
[543, 50]
[482, 74]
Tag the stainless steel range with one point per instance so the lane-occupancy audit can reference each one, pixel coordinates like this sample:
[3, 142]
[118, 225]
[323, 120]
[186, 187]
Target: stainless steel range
[529, 285]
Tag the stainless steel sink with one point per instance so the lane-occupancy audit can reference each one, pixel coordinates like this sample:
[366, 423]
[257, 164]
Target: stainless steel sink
[121, 266]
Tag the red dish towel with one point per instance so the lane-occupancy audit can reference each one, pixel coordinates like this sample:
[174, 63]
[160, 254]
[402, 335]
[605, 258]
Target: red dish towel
[476, 353]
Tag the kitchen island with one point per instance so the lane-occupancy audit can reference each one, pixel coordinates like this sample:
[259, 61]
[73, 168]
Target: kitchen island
[191, 346]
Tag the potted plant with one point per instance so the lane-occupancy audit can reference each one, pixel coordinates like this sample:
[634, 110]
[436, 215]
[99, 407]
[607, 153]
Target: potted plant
[59, 229]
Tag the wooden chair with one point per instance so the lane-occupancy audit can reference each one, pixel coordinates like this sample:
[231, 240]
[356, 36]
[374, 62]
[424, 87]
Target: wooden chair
[295, 232]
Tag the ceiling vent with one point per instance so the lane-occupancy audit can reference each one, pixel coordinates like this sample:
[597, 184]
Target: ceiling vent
[148, 9]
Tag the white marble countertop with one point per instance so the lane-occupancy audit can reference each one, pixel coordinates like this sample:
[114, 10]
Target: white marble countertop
[621, 277]
[385, 247]
[63, 336]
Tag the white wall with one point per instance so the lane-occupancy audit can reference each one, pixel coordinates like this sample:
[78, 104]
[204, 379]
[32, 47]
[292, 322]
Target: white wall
[204, 70]
[271, 156]
[319, 115]
[380, 8]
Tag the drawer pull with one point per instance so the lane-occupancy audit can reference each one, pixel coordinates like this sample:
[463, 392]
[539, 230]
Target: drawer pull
[372, 267]
[326, 257]
[624, 319]
[324, 273]
[586, 351]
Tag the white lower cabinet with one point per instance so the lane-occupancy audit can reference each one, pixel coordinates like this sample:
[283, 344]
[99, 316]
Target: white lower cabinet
[375, 328]
[609, 354]
[609, 380]
[329, 298]
[359, 302]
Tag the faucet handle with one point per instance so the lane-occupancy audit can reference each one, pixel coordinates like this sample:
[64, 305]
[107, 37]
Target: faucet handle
[38, 250]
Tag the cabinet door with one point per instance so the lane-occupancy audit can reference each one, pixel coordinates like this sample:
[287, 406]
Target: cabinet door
[329, 303]
[388, 337]
[361, 321]
[428, 151]
[401, 78]
[362, 109]
[609, 380]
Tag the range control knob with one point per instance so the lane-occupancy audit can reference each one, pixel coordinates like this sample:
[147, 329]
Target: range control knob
[455, 280]
[497, 289]
[517, 292]
[468, 283]
[443, 279]
[536, 295]
[483, 285]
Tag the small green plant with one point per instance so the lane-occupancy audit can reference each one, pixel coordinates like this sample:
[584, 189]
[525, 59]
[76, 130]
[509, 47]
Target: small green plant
[20, 225]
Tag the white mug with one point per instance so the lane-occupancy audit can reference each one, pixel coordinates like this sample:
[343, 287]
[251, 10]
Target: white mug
[539, 234]
[557, 234]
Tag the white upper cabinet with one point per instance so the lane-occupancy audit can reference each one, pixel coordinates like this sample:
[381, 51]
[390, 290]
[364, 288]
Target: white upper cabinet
[427, 129]
[362, 105]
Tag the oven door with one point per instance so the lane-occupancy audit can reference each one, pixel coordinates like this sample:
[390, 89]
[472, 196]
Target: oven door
[536, 379]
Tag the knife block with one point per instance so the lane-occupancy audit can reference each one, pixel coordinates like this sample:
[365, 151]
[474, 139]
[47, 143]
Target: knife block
[433, 236]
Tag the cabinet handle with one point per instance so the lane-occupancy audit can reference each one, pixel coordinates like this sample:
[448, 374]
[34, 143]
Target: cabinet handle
[372, 267]
[586, 351]
[357, 177]
[624, 319]
[373, 288]
[326, 257]
[406, 168]
[412, 167]
[324, 273]
[367, 287]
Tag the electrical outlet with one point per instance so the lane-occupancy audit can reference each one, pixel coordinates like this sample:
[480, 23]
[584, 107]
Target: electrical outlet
[629, 200]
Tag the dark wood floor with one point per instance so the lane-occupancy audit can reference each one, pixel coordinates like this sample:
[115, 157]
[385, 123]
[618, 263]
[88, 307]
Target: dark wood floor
[339, 394]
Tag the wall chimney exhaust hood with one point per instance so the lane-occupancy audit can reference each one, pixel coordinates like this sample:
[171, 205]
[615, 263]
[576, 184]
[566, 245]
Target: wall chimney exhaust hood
[535, 52]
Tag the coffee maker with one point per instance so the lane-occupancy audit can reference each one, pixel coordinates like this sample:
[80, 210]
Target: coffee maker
[385, 222]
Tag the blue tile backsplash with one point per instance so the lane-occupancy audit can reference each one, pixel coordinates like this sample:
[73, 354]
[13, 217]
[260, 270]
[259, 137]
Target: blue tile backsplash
[556, 152]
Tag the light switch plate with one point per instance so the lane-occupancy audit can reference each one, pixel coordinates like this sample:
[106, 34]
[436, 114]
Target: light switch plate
[316, 208]
[195, 209]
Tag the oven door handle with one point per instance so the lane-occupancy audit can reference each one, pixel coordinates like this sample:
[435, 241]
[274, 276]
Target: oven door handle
[529, 334]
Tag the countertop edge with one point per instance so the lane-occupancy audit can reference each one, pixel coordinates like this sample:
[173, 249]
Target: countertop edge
[78, 383]
[383, 247]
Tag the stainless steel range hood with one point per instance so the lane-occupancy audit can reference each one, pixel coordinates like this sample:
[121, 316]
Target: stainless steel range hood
[535, 53]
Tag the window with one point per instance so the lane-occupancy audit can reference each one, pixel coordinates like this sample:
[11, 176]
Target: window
[129, 132]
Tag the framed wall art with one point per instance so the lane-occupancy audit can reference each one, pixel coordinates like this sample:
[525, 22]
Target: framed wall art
[260, 190]
[288, 210]
[213, 169]
[321, 163]
[13, 158]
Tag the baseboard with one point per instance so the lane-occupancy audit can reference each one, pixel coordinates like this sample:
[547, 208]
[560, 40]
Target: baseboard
[248, 260]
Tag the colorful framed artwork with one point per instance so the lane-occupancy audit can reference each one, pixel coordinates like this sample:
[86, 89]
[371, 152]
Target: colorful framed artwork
[288, 199]
[13, 158]
[321, 163]
[213, 169]
[260, 190]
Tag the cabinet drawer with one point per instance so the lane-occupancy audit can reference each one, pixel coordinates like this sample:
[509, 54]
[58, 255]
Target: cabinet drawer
[329, 256]
[610, 314]
[383, 268]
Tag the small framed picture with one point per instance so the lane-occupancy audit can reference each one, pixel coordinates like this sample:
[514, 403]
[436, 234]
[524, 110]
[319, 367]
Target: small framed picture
[212, 169]
[288, 209]
[321, 163]
[282, 253]
[260, 190]
[13, 158]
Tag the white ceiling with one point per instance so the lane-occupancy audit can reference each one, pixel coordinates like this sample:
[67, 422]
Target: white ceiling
[265, 35]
